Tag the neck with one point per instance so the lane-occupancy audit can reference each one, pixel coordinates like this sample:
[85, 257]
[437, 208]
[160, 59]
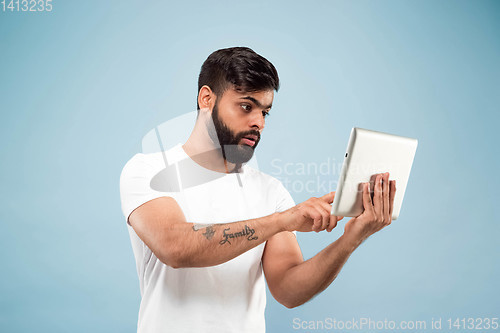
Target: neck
[202, 149]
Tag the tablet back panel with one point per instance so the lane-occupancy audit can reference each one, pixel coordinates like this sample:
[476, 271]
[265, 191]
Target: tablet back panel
[368, 153]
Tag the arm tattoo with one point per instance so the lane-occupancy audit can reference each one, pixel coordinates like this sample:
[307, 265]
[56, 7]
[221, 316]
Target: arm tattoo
[209, 230]
[245, 232]
[197, 227]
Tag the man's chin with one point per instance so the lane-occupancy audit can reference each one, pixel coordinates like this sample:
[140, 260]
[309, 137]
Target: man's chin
[238, 154]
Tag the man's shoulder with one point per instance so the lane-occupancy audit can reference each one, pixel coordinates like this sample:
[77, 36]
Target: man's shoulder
[142, 160]
[154, 160]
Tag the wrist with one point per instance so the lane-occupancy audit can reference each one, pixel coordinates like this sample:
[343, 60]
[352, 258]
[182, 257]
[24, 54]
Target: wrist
[279, 221]
[351, 241]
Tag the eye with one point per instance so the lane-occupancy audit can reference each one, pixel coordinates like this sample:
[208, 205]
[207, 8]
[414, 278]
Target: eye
[246, 107]
[265, 113]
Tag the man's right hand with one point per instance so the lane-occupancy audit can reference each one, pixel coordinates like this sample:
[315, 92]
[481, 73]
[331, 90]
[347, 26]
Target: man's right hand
[311, 215]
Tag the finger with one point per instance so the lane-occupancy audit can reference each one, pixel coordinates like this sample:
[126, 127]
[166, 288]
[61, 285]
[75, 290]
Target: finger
[392, 195]
[325, 209]
[326, 221]
[316, 222]
[373, 181]
[325, 212]
[367, 199]
[316, 217]
[333, 223]
[377, 196]
[385, 197]
[328, 197]
[325, 206]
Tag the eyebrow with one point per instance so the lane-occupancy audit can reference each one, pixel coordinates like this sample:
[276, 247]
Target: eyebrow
[256, 102]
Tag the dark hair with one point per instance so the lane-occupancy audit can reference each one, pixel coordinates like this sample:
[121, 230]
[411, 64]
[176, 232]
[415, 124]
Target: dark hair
[239, 67]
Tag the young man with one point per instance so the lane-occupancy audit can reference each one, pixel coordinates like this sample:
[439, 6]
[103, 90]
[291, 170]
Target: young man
[205, 240]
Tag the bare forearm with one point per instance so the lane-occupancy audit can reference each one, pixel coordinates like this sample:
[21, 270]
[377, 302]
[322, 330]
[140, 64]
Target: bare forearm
[201, 245]
[305, 280]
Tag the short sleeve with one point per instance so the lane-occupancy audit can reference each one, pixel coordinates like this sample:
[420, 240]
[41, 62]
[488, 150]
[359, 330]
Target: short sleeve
[284, 200]
[135, 184]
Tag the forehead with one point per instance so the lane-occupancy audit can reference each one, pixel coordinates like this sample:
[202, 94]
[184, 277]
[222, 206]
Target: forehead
[263, 97]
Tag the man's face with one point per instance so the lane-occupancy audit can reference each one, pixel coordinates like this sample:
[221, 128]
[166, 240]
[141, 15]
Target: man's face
[239, 120]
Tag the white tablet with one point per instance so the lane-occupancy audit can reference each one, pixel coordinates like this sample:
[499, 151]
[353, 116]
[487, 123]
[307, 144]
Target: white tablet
[369, 153]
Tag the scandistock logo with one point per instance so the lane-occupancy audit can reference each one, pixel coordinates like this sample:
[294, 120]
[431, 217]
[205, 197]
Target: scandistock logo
[311, 177]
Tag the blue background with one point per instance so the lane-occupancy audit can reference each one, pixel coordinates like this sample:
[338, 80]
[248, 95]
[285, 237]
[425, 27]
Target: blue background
[80, 86]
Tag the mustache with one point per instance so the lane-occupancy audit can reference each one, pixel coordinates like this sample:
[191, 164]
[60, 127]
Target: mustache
[256, 133]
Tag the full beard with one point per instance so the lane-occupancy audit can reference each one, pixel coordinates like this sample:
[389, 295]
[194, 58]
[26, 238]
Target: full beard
[232, 151]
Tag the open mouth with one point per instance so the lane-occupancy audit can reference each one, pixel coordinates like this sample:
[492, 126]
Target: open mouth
[250, 140]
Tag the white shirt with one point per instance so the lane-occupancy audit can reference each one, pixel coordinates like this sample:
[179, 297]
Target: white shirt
[229, 297]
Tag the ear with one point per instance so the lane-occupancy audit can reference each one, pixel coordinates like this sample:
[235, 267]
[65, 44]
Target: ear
[206, 98]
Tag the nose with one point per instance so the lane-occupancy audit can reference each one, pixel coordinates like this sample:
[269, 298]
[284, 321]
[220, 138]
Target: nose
[257, 121]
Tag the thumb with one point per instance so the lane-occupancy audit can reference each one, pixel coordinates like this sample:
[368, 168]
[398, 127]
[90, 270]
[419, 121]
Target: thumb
[329, 197]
